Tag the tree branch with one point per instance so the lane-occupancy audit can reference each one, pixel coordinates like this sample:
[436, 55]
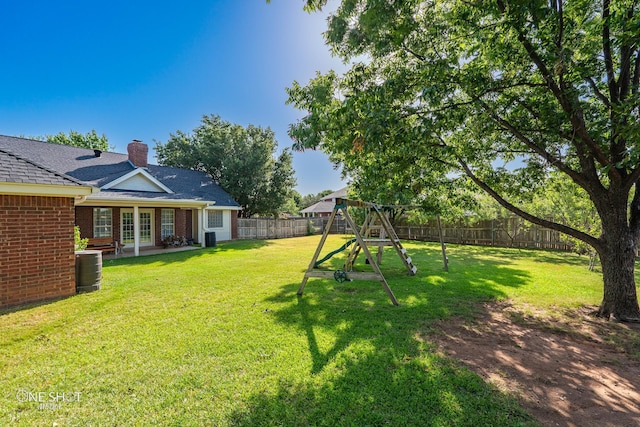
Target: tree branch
[636, 74]
[634, 217]
[559, 42]
[575, 115]
[597, 92]
[587, 238]
[606, 48]
[413, 53]
[624, 80]
[632, 179]
[552, 159]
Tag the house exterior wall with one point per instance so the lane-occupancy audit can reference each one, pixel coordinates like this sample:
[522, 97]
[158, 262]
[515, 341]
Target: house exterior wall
[37, 259]
[316, 214]
[224, 233]
[179, 224]
[116, 224]
[188, 225]
[84, 220]
[183, 223]
[234, 225]
[157, 223]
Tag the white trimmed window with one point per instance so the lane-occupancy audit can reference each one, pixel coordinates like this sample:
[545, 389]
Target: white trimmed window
[102, 222]
[214, 219]
[167, 223]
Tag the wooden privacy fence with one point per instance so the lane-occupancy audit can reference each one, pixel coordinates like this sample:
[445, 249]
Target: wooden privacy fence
[509, 232]
[270, 228]
[504, 232]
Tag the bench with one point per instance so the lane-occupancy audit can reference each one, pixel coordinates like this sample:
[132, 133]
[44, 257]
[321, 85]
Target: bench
[104, 244]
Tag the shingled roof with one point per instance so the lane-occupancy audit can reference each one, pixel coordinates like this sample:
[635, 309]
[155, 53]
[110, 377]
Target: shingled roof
[86, 167]
[16, 169]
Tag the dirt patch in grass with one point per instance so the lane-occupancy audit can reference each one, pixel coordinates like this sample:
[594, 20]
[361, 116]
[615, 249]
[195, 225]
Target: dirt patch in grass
[567, 368]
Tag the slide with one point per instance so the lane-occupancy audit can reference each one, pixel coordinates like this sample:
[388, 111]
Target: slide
[332, 253]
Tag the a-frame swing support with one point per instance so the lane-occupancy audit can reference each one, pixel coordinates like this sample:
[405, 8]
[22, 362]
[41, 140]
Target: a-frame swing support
[361, 244]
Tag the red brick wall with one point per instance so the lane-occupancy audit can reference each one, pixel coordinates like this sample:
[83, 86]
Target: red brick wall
[157, 224]
[84, 220]
[181, 223]
[37, 259]
[138, 153]
[188, 218]
[115, 224]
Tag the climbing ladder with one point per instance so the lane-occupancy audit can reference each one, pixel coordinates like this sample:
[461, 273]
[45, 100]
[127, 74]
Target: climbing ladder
[377, 219]
[363, 237]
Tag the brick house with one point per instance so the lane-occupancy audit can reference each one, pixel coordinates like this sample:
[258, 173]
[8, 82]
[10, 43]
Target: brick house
[37, 259]
[138, 204]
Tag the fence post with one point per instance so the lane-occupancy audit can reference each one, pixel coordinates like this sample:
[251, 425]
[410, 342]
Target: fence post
[445, 260]
[493, 237]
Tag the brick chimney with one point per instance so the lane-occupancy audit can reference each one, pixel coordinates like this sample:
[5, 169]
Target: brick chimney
[138, 153]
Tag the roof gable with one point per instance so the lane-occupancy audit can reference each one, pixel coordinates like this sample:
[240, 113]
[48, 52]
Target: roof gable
[138, 180]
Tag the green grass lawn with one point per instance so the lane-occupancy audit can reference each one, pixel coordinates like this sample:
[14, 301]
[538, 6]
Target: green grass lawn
[219, 337]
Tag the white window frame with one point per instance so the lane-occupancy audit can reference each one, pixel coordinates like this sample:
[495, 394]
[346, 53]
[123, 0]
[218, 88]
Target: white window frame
[216, 221]
[102, 222]
[167, 223]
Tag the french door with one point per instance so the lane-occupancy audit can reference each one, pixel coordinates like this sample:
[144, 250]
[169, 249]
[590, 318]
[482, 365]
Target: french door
[146, 226]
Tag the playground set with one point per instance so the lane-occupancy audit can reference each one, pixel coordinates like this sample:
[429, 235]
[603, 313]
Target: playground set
[376, 231]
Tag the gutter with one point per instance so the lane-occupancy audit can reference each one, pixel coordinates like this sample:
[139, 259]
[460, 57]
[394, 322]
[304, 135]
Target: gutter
[143, 201]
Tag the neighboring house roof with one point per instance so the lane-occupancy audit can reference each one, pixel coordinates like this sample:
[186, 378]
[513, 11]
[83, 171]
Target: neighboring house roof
[82, 164]
[340, 194]
[327, 203]
[320, 207]
[20, 175]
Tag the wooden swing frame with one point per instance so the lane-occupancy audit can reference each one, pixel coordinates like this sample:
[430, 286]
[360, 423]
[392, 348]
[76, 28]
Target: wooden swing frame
[388, 237]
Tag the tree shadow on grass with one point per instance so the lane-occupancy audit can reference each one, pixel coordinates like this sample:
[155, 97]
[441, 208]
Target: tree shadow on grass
[368, 363]
[179, 257]
[541, 255]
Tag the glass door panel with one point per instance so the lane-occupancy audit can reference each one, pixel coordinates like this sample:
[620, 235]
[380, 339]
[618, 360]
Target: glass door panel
[127, 227]
[127, 232]
[145, 227]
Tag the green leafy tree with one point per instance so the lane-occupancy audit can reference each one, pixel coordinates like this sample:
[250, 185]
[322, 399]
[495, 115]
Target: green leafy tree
[292, 204]
[88, 140]
[497, 92]
[241, 160]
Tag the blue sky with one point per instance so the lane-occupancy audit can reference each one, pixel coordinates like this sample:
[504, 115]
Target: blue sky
[144, 69]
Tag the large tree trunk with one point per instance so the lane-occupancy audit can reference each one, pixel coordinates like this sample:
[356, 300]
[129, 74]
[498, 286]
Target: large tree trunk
[617, 257]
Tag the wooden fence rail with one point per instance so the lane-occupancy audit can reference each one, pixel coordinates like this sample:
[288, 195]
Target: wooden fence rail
[488, 233]
[509, 232]
[269, 228]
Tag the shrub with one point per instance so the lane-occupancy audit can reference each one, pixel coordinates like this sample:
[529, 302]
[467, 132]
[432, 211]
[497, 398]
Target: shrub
[80, 243]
